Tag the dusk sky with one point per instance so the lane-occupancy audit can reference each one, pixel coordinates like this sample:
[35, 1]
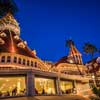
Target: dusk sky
[46, 24]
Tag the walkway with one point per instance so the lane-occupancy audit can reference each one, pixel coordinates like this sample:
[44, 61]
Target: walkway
[69, 97]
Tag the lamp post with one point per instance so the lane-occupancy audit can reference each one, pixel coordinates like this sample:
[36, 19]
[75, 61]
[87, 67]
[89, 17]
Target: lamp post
[92, 72]
[94, 76]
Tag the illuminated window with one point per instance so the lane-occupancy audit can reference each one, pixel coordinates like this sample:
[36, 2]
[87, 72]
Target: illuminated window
[66, 87]
[8, 59]
[23, 61]
[3, 59]
[45, 86]
[12, 86]
[19, 60]
[15, 59]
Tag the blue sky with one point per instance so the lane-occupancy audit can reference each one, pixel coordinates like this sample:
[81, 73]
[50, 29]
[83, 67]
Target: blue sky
[46, 24]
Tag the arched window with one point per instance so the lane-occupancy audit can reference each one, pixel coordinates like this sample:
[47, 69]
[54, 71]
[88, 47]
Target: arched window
[8, 59]
[3, 59]
[15, 59]
[23, 61]
[35, 64]
[19, 60]
[27, 62]
[32, 63]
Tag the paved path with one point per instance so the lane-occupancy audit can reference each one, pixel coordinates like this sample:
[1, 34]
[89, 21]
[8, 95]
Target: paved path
[68, 97]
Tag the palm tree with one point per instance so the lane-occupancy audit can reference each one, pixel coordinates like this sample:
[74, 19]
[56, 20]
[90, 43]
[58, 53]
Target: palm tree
[89, 48]
[7, 6]
[96, 91]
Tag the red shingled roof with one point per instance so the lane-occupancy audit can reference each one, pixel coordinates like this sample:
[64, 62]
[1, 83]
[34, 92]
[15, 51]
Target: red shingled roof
[12, 43]
[65, 59]
[93, 65]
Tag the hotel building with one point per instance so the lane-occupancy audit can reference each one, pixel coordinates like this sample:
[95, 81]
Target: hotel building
[22, 73]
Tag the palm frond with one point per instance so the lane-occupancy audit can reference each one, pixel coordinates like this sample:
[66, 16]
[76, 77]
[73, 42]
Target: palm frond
[7, 6]
[89, 48]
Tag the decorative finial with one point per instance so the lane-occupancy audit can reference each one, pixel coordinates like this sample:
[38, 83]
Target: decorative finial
[69, 42]
[34, 52]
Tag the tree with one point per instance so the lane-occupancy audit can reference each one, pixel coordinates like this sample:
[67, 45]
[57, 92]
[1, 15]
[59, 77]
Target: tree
[96, 91]
[92, 49]
[7, 6]
[89, 48]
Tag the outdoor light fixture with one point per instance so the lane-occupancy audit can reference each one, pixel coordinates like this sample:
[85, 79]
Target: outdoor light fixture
[93, 77]
[71, 61]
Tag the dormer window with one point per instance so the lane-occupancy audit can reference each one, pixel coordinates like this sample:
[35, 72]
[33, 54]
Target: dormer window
[3, 34]
[16, 37]
[21, 45]
[2, 41]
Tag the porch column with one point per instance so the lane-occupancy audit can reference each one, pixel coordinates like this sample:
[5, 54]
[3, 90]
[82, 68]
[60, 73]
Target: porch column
[74, 87]
[30, 84]
[58, 86]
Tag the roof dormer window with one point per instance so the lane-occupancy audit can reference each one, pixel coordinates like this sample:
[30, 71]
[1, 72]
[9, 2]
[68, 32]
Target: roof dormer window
[3, 34]
[16, 37]
[2, 41]
[21, 45]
